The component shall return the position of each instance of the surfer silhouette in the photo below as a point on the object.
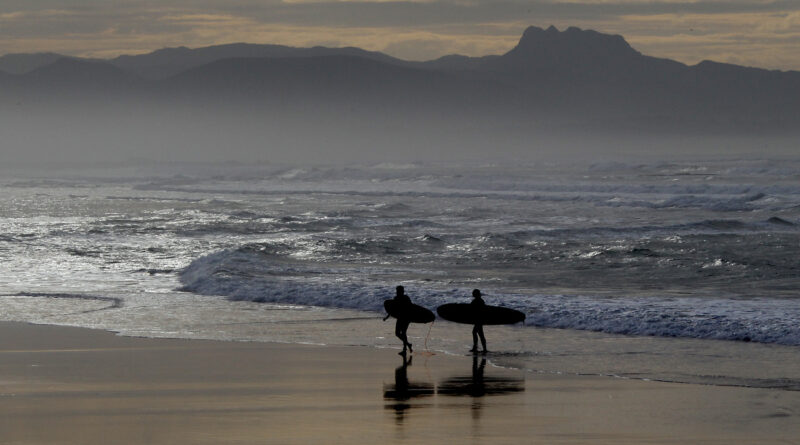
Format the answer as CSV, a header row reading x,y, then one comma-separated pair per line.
x,y
403,301
477,331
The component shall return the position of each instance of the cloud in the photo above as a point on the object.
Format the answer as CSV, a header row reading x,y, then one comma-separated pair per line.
x,y
11,16
754,39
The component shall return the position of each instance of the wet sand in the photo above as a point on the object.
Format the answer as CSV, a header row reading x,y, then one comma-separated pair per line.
x,y
76,386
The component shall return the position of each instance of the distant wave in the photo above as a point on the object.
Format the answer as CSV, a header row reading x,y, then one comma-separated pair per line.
x,y
722,203
245,274
704,226
440,243
252,223
640,190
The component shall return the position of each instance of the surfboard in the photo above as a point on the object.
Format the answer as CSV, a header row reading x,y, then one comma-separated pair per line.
x,y
469,314
414,312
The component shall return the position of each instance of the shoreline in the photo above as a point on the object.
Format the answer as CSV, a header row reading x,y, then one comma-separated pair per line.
x,y
543,350
81,386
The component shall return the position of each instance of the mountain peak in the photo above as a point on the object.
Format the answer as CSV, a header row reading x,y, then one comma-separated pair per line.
x,y
572,42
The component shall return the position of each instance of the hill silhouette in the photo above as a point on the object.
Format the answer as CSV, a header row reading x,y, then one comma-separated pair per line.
x,y
23,63
78,72
168,62
553,86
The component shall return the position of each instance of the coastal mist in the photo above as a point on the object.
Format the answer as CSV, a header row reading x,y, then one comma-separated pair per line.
x,y
399,222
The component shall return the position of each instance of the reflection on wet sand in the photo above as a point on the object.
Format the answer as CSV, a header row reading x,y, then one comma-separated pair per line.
x,y
403,390
479,385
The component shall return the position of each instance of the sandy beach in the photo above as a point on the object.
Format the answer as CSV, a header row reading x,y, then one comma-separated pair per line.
x,y
63,385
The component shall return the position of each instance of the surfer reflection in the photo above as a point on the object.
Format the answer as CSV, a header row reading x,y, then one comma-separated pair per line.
x,y
477,331
478,385
400,391
403,390
401,327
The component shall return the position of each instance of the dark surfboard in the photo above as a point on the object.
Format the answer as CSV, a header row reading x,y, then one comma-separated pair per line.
x,y
471,314
414,313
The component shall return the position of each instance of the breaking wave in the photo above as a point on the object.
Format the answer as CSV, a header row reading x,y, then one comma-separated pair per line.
x,y
247,274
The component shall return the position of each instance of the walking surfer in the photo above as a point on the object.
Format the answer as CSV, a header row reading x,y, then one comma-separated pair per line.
x,y
402,301
478,305
478,313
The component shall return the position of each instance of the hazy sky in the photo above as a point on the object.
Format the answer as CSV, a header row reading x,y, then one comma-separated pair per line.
x,y
763,33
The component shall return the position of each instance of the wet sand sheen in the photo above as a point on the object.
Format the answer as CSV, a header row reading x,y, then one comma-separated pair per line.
x,y
77,386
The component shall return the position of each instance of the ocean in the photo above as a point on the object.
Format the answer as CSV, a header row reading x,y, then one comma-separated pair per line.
x,y
672,271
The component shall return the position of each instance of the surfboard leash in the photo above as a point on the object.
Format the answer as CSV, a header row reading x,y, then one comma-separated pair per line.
x,y
427,337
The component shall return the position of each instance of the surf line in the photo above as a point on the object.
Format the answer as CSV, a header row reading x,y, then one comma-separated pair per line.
x,y
115,303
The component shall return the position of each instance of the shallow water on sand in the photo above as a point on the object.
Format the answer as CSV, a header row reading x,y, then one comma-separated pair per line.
x,y
540,350
682,272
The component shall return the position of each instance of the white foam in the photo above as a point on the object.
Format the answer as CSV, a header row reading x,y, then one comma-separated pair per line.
x,y
241,275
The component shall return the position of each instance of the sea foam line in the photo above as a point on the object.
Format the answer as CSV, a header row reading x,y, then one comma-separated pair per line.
x,y
246,275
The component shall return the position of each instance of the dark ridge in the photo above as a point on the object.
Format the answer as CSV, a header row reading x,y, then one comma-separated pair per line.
x,y
67,70
552,84
344,82
168,62
24,63
351,71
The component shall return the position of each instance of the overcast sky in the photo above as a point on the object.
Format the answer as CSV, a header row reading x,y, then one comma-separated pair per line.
x,y
764,33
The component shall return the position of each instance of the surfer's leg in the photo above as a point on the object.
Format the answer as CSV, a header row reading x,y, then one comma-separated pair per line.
x,y
474,339
479,328
406,344
400,331
405,336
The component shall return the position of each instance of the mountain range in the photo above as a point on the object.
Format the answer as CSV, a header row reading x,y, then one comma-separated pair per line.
x,y
552,82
